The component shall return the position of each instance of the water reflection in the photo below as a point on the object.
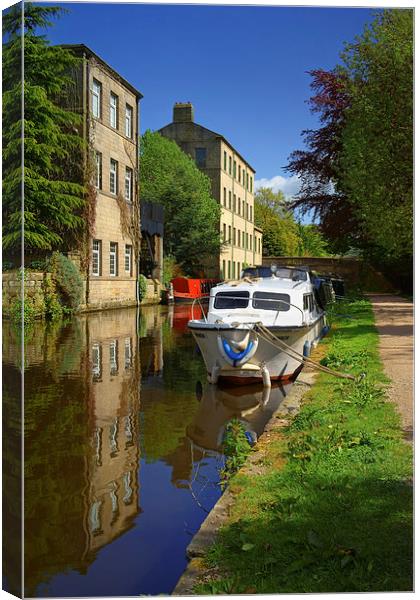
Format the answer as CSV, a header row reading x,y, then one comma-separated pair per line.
x,y
122,449
252,405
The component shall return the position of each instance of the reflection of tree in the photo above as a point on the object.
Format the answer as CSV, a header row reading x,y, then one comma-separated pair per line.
x,y
56,446
169,409
12,468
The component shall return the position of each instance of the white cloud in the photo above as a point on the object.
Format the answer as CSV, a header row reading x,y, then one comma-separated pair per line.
x,y
288,185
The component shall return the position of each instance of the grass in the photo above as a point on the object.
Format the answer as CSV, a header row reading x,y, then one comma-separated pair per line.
x,y
337,516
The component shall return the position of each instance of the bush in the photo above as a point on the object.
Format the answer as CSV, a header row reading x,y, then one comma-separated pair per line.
x,y
68,280
142,281
16,310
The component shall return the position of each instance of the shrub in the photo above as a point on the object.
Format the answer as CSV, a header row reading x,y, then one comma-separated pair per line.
x,y
16,310
68,280
142,286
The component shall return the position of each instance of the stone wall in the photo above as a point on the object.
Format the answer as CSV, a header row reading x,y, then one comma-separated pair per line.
x,y
34,291
353,270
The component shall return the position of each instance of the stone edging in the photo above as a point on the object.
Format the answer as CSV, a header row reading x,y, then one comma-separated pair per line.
x,y
207,533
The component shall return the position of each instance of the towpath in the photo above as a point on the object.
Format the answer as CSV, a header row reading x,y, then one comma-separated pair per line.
x,y
394,322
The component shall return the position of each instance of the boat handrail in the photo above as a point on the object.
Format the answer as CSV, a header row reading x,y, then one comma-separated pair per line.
x,y
242,298
201,306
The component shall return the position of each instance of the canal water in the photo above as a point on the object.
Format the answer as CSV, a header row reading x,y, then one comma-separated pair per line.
x,y
122,455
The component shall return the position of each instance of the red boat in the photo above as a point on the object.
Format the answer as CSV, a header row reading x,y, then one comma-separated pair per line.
x,y
187,290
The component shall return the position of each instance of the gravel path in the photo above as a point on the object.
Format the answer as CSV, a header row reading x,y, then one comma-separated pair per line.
x,y
394,322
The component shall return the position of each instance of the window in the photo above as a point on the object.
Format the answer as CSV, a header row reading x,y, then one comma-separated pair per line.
x,y
98,170
113,259
230,233
234,202
128,121
239,206
96,362
224,269
246,209
234,236
250,213
230,200
224,231
113,357
308,302
224,160
228,269
113,176
250,184
234,168
224,196
247,181
243,239
271,301
96,258
128,184
226,300
127,352
243,177
128,258
239,173
113,110
201,157
230,165
96,99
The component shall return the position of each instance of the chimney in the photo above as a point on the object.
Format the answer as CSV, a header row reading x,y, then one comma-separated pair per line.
x,y
183,112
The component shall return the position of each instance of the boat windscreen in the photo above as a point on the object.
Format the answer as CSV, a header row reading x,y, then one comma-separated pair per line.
x,y
271,301
294,274
226,300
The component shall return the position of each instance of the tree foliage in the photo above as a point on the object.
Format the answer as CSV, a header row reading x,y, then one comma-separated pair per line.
x,y
170,177
53,148
377,156
282,235
357,169
279,229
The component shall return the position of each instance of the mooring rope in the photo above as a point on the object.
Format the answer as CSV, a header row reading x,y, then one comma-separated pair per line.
x,y
269,337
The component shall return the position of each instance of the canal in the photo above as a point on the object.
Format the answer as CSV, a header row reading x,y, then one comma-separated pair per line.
x,y
122,455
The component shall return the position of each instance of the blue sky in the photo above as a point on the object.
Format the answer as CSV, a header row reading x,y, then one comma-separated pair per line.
x,y
243,68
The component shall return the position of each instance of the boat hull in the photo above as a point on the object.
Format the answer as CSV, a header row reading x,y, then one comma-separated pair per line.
x,y
263,359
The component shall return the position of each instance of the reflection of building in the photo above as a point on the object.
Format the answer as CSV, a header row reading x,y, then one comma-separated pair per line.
x,y
112,471
232,181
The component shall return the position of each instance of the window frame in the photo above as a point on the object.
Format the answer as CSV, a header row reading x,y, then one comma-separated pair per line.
x,y
128,253
112,162
96,93
113,110
128,177
264,297
129,111
98,253
238,295
113,252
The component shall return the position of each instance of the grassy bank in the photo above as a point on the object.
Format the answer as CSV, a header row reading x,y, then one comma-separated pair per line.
x,y
332,511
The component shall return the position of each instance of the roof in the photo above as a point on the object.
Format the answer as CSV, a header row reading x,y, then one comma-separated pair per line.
x,y
83,49
216,135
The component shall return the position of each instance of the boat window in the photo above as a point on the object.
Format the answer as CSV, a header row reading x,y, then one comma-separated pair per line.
x,y
309,302
270,301
294,274
231,300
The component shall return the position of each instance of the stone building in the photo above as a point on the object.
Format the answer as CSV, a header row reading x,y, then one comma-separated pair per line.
x,y
110,107
232,180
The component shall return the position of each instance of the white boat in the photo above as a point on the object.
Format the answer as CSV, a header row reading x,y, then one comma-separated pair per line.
x,y
249,322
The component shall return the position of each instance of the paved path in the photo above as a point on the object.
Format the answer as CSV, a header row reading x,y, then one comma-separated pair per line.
x,y
394,322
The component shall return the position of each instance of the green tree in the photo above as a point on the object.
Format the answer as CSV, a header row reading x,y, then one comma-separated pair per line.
x,y
377,155
280,235
311,241
53,148
170,177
